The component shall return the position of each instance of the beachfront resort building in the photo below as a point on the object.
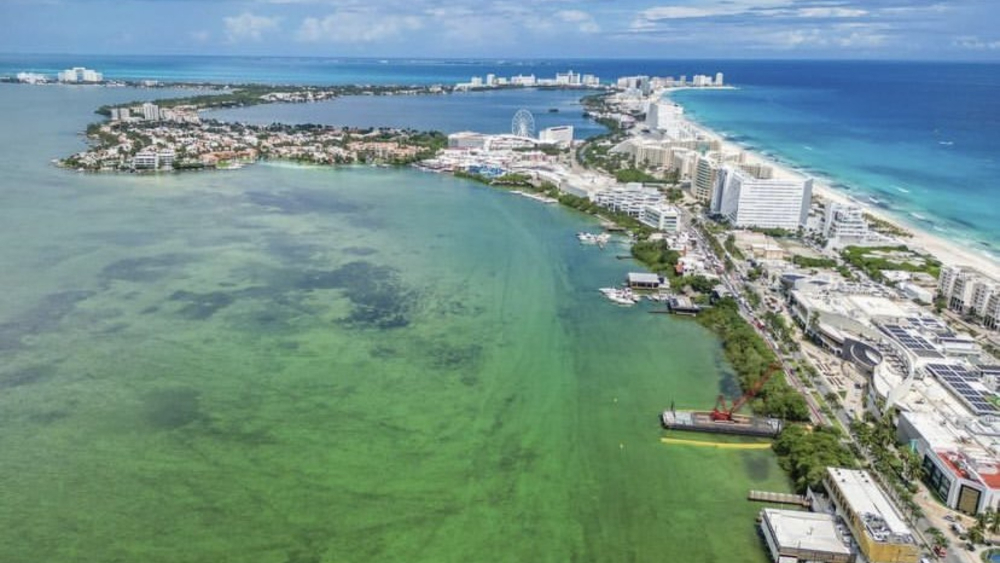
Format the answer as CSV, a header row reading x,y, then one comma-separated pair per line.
x,y
706,176
80,74
32,78
881,534
747,201
845,225
665,116
968,291
793,536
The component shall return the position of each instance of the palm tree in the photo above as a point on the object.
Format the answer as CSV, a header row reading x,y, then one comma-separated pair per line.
x,y
977,532
994,521
913,469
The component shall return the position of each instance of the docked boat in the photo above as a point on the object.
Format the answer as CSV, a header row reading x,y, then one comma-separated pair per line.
x,y
621,296
600,239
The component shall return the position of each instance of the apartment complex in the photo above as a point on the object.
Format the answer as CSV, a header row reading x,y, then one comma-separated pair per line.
x,y
970,292
629,198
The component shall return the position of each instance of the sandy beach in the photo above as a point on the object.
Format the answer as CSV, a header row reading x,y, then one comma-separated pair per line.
x,y
947,251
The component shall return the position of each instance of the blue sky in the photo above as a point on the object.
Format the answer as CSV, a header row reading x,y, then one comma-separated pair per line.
x,y
907,29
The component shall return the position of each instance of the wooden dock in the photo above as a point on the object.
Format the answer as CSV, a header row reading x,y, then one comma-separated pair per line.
x,y
778,498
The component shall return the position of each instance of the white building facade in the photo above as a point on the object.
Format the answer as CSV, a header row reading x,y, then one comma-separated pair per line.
x,y
772,204
665,116
80,74
661,217
561,135
969,291
629,199
845,225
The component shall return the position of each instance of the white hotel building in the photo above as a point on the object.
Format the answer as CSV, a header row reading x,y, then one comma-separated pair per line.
x,y
665,116
80,74
969,291
661,217
561,135
747,201
629,199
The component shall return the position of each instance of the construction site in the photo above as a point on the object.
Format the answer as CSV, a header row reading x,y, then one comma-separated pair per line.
x,y
724,418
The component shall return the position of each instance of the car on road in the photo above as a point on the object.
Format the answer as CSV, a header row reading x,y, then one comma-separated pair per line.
x,y
950,518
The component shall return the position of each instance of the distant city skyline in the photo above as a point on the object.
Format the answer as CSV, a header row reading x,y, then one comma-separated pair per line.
x,y
849,29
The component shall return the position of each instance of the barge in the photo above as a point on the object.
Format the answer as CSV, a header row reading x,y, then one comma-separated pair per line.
x,y
739,425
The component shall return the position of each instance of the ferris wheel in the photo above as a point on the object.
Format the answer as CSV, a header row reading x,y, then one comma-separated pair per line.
x,y
523,124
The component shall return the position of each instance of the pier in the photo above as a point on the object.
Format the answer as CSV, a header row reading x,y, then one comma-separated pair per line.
x,y
778,498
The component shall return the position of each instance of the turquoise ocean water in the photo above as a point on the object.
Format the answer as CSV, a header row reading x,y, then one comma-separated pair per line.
x,y
920,141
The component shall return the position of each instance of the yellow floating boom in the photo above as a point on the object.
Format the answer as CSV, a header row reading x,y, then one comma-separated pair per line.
x,y
731,446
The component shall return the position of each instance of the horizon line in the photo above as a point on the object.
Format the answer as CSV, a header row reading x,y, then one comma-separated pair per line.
x,y
507,59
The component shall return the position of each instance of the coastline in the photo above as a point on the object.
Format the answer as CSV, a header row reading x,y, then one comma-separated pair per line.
x,y
949,252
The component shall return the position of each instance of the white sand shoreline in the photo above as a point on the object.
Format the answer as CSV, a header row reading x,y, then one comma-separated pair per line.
x,y
949,252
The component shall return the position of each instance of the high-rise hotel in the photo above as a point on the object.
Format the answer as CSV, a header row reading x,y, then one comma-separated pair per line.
x,y
773,203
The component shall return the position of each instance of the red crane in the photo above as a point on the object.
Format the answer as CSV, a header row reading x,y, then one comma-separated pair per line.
x,y
724,413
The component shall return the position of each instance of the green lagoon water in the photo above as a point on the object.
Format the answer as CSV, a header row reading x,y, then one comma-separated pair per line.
x,y
284,364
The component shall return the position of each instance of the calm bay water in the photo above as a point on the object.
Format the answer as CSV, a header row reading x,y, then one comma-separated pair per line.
x,y
307,364
484,112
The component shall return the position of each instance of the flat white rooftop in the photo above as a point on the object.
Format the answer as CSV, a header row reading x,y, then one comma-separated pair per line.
x,y
864,497
643,278
813,531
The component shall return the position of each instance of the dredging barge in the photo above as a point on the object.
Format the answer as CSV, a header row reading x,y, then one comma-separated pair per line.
x,y
739,425
723,418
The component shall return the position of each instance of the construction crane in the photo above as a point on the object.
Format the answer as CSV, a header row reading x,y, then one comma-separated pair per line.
x,y
724,412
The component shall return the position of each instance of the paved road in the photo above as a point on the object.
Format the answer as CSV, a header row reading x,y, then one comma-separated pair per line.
x,y
735,287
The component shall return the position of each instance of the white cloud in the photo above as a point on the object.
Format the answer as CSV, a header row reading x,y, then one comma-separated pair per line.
x,y
830,12
975,43
690,12
247,26
585,22
648,18
845,36
356,27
